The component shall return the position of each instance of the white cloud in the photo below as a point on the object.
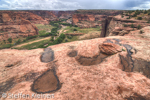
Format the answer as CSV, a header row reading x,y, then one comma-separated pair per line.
x,y
39,4
146,6
73,4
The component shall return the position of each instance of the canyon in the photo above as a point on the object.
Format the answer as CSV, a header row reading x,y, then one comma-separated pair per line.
x,y
114,66
15,24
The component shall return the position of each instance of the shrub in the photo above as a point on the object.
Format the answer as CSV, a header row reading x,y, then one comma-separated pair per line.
x,y
132,26
75,26
137,12
52,38
41,46
149,13
31,37
128,17
10,40
123,49
125,25
6,46
62,36
129,12
54,30
66,24
44,35
4,41
24,40
145,12
18,41
139,27
139,18
122,16
135,15
42,32
141,31
69,37
74,29
66,40
59,39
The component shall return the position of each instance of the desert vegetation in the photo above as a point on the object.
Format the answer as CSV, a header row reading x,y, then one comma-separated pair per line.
x,y
137,14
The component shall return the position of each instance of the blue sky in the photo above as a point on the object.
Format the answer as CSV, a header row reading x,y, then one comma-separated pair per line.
x,y
73,4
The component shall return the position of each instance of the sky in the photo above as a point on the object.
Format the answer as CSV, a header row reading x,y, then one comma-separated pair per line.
x,y
73,4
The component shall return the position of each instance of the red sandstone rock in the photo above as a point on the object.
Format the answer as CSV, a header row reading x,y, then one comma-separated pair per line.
x,y
87,20
46,15
17,24
109,48
102,81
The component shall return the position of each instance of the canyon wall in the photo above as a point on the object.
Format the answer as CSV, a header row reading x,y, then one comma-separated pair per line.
x,y
92,18
65,14
46,15
14,25
112,26
87,20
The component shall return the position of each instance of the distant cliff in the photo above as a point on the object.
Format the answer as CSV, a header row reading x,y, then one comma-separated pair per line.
x,y
87,20
17,24
46,15
112,26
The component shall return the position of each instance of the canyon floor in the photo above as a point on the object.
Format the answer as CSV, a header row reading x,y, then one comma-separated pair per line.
x,y
110,68
32,42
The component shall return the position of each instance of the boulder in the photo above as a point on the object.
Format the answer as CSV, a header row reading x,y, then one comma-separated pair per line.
x,y
110,48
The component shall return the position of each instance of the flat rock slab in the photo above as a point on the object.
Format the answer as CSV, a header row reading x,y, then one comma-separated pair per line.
x,y
47,55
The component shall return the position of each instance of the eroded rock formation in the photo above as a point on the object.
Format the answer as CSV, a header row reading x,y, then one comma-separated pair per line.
x,y
46,15
112,26
87,20
13,25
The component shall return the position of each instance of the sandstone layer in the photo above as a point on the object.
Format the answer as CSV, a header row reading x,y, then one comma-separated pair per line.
x,y
87,20
17,24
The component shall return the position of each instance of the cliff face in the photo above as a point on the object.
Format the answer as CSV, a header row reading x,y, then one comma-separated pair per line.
x,y
33,18
64,14
13,25
87,20
46,15
119,26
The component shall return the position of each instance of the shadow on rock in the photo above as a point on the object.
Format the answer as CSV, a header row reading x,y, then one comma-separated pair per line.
x,y
6,86
72,53
87,61
142,66
137,97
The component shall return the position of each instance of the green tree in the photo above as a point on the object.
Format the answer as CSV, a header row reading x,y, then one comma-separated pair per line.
x,y
18,41
132,26
139,27
74,29
52,38
10,40
139,18
145,12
